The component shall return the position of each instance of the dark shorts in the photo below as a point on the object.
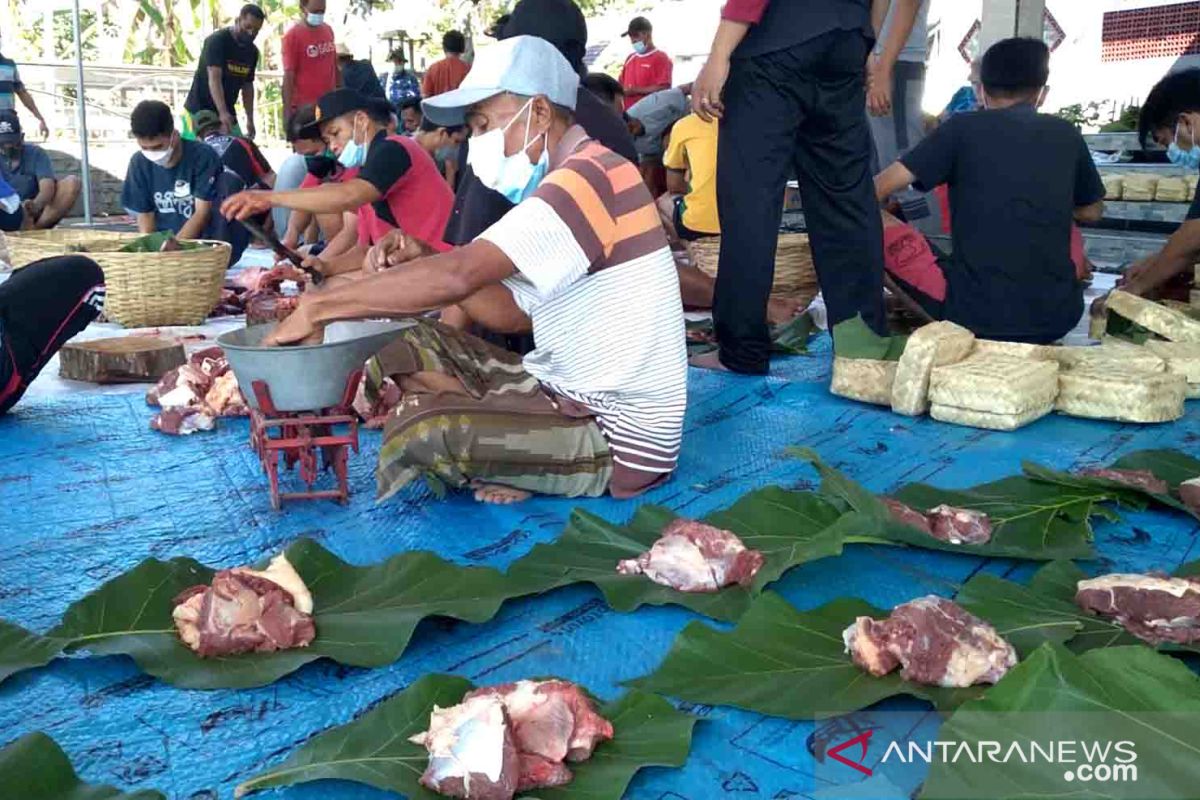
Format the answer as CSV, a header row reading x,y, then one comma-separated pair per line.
x,y
41,307
11,222
685,233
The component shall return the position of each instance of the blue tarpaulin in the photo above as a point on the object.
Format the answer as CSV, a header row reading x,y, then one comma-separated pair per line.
x,y
87,491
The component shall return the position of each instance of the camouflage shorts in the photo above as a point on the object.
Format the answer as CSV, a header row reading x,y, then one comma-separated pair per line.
x,y
504,430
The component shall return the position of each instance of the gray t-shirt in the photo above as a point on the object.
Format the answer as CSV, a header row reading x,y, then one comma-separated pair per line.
x,y
657,112
34,166
916,49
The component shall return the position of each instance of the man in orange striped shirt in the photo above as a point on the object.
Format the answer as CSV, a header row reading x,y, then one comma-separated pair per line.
x,y
582,260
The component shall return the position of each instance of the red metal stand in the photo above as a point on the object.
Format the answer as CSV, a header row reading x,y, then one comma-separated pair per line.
x,y
297,436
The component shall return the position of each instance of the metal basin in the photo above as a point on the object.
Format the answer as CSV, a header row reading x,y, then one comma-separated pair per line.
x,y
306,377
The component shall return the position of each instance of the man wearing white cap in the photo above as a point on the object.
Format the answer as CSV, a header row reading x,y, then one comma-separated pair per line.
x,y
582,260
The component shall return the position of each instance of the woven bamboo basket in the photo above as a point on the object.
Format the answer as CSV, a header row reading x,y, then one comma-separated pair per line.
x,y
795,276
29,246
179,287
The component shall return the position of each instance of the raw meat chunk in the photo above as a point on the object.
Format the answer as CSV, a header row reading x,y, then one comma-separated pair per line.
x,y
693,557
471,751
1135,478
1189,493
1153,607
182,421
960,525
246,611
224,399
935,641
182,386
543,724
908,516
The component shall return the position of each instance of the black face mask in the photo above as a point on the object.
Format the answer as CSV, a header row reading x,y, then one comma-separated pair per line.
x,y
322,166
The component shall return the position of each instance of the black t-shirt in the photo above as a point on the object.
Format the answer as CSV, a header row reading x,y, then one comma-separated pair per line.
x,y
787,23
1194,208
242,157
386,164
477,208
237,62
1015,178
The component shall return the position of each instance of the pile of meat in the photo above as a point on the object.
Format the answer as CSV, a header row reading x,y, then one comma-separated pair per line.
x,y
193,396
259,294
246,611
511,738
944,523
1142,479
934,641
1153,607
693,557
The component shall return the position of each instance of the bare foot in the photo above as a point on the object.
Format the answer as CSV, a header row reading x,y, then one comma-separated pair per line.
x,y
498,495
710,360
781,312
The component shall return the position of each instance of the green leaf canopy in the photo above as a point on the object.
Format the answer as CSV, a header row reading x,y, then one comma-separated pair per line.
x,y
1129,694
365,616
34,767
784,663
1030,519
789,528
374,749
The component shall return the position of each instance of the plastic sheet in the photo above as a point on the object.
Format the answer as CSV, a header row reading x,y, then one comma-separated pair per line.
x,y
87,491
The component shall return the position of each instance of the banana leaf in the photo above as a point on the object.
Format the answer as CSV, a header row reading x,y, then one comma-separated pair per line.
x,y
365,616
1031,519
789,528
784,662
34,767
374,749
21,650
1130,496
1122,694
853,338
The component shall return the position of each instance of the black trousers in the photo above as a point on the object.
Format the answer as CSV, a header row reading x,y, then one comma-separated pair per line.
x,y
41,307
802,108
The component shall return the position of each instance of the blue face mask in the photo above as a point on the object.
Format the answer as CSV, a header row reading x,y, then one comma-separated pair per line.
x,y
315,19
353,155
1189,157
639,48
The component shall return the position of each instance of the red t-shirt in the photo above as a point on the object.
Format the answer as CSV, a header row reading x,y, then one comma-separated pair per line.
x,y
444,76
653,69
416,198
309,54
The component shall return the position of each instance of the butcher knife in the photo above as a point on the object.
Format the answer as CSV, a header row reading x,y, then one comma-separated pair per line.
x,y
281,250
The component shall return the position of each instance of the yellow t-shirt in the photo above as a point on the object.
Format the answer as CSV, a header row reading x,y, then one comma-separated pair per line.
x,y
694,148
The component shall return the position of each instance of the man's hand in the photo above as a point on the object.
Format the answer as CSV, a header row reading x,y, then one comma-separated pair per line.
x,y
251,131
1135,273
244,205
43,129
707,89
394,249
879,87
298,328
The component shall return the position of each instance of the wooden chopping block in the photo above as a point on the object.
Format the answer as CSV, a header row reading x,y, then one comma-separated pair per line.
x,y
125,359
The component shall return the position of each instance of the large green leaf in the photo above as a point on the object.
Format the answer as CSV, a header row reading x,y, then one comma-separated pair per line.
x,y
1030,519
365,616
1124,494
21,650
1172,466
1128,694
34,767
789,528
374,749
853,338
785,663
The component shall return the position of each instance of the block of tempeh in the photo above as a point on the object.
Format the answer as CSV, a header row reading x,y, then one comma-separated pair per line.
x,y
1182,358
988,420
1034,352
1168,323
1120,393
995,384
1111,351
1171,190
1114,185
864,379
1194,298
934,345
1139,188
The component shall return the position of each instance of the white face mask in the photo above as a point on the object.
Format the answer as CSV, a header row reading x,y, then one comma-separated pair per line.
x,y
159,157
513,176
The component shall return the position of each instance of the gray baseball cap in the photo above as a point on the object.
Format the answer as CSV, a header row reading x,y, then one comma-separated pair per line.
x,y
524,65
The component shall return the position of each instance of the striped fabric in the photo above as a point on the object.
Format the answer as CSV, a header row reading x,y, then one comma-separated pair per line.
x,y
10,83
596,276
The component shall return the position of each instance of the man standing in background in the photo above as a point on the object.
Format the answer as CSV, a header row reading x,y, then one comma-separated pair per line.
x,y
895,89
648,69
226,70
400,84
11,87
445,75
309,59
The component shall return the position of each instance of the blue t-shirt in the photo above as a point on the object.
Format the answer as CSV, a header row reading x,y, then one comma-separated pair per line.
x,y
171,193
33,165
